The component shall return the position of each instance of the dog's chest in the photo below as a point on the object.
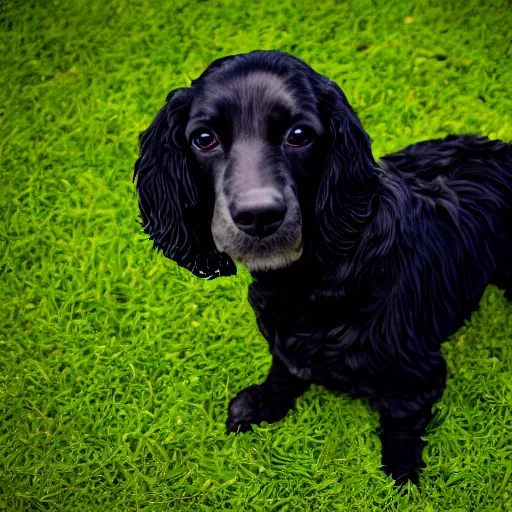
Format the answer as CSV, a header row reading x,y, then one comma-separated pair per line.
x,y
317,337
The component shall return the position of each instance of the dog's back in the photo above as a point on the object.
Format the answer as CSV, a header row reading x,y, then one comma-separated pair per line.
x,y
462,184
474,167
446,157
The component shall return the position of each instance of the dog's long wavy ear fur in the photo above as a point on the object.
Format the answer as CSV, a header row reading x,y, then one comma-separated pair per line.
x,y
350,179
176,212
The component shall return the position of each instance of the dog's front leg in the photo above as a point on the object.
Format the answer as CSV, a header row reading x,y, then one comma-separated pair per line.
x,y
405,413
269,401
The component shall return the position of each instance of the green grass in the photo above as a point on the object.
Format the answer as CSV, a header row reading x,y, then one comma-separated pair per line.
x,y
116,367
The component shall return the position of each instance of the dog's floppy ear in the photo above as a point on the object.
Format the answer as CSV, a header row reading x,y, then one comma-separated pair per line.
x,y
350,177
175,204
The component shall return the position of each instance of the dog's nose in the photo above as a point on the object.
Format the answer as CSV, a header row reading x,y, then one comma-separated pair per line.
x,y
259,212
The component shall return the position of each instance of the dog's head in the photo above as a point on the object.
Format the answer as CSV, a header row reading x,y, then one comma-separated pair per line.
x,y
249,163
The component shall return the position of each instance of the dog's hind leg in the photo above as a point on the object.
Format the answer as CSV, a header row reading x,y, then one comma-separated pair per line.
x,y
507,267
503,279
507,285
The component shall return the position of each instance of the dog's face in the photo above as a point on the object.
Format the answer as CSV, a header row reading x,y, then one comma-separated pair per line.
x,y
255,140
237,165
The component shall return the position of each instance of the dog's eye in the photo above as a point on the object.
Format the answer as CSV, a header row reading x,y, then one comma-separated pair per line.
x,y
299,136
204,141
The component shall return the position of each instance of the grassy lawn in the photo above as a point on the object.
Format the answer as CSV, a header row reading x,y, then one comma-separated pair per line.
x,y
116,367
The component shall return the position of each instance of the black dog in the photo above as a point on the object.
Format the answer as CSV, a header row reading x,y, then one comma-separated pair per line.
x,y
361,270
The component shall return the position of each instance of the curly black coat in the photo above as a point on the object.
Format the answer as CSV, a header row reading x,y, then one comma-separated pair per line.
x,y
361,270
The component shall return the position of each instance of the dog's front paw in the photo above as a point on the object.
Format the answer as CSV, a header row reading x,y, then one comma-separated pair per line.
x,y
246,409
401,457
252,406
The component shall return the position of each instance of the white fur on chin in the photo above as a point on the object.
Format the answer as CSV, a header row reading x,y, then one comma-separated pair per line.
x,y
256,258
272,261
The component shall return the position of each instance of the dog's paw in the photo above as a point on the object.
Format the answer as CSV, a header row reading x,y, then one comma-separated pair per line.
x,y
246,409
401,476
401,458
252,406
